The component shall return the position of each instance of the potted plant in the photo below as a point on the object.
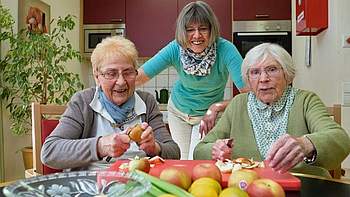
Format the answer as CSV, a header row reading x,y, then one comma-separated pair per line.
x,y
33,69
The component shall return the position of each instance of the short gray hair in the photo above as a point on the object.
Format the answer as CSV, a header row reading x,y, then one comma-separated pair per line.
x,y
196,12
259,54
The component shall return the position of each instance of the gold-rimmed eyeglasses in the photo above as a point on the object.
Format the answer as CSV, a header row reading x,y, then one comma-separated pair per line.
x,y
202,30
114,74
270,71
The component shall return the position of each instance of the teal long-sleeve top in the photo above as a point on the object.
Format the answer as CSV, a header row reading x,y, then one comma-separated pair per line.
x,y
308,116
194,94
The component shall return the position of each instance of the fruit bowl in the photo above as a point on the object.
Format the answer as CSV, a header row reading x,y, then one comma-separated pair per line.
x,y
81,183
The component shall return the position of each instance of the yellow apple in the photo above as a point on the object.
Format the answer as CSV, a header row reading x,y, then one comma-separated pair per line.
x,y
176,176
265,188
242,178
206,170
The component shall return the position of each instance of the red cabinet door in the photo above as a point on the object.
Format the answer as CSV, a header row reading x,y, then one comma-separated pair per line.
x,y
104,11
261,10
222,10
150,24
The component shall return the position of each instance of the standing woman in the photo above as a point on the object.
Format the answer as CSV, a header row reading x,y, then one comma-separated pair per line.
x,y
203,61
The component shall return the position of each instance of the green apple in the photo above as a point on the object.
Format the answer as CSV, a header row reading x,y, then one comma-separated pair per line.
x,y
140,164
242,178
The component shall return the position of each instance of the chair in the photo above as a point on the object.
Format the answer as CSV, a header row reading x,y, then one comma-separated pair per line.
x,y
335,111
43,123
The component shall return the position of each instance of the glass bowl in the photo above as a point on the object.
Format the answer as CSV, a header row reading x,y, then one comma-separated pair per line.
x,y
81,183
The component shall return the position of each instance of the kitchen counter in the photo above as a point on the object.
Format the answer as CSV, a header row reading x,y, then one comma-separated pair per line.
x,y
163,107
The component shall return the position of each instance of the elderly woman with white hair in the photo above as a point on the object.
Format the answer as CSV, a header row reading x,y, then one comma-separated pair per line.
x,y
288,127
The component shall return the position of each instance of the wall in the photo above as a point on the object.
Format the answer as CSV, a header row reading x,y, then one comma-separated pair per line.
x,y
14,168
330,62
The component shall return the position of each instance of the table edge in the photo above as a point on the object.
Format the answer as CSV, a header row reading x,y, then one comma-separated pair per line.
x,y
320,177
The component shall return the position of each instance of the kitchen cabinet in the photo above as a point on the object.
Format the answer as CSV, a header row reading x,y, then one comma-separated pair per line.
x,y
261,10
150,24
104,11
222,10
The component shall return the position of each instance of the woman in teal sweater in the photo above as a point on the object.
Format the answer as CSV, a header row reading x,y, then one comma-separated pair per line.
x,y
288,127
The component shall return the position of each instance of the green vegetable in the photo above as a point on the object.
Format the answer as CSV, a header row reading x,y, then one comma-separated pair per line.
x,y
160,185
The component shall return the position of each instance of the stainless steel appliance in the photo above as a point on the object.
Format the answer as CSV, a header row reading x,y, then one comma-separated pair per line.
x,y
94,33
247,34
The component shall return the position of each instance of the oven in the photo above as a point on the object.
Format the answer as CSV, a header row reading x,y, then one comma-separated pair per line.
x,y
247,34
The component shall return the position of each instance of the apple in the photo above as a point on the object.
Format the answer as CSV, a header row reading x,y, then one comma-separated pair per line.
x,y
176,176
206,170
265,188
140,164
242,178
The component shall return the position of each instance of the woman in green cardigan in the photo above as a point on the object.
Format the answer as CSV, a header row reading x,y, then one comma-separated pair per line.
x,y
288,127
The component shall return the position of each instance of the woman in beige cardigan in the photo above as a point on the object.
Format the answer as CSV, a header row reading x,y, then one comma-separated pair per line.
x,y
276,122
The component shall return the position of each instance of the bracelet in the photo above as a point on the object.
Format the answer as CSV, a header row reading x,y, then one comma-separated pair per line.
x,y
312,159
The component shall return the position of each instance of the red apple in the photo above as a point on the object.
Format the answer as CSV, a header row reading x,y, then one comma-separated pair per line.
x,y
265,188
140,164
206,170
242,178
176,176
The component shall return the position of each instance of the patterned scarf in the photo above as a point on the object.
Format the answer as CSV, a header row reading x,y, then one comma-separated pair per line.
x,y
270,122
198,64
118,113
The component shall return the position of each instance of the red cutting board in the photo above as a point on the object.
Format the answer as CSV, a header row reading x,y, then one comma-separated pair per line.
x,y
286,180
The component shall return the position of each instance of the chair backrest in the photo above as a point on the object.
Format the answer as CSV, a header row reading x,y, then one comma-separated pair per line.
x,y
335,111
41,128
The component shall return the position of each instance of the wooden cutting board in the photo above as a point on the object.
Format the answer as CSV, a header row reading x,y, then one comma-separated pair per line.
x,y
286,180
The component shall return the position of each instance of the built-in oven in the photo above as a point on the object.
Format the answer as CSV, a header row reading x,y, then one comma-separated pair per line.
x,y
94,33
247,34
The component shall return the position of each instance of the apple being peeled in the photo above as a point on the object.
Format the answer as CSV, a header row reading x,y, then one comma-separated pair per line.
x,y
140,164
242,178
177,177
265,188
206,170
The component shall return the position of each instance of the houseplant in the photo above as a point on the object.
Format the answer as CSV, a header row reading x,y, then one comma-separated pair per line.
x,y
33,69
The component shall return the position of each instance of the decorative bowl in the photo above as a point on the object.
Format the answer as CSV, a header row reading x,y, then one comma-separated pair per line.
x,y
81,183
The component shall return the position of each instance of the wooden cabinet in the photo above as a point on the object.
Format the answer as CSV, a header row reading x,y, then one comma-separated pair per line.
x,y
150,24
104,11
261,10
222,10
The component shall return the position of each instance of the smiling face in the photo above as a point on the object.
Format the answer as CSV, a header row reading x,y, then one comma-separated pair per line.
x,y
197,37
117,80
267,80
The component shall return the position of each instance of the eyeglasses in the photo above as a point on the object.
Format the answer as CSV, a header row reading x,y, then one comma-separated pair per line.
x,y
114,74
202,30
270,71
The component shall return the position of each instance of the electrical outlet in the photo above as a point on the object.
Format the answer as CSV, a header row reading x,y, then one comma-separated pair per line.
x,y
346,41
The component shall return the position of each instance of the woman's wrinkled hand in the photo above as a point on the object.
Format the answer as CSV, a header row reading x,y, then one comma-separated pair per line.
x,y
222,149
288,151
208,120
113,145
148,142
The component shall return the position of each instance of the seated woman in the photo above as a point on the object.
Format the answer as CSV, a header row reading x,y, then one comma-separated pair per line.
x,y
288,127
95,124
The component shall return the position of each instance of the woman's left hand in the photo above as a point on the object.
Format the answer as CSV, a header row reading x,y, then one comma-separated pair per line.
x,y
148,142
208,120
288,151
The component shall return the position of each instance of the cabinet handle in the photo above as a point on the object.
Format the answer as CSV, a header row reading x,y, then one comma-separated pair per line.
x,y
116,20
262,16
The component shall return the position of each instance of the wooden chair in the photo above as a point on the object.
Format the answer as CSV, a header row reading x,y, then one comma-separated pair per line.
x,y
335,111
42,125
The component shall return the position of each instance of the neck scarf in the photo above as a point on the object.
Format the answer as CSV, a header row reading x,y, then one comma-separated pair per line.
x,y
198,64
270,122
118,113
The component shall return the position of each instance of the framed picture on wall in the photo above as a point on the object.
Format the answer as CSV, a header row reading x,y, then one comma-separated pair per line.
x,y
34,15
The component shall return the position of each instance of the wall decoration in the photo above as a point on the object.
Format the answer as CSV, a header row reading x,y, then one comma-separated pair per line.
x,y
34,15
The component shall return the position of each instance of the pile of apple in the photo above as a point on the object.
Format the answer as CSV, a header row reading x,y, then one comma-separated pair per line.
x,y
206,181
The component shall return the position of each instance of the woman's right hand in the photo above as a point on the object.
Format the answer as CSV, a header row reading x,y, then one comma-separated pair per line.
x,y
113,145
222,149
